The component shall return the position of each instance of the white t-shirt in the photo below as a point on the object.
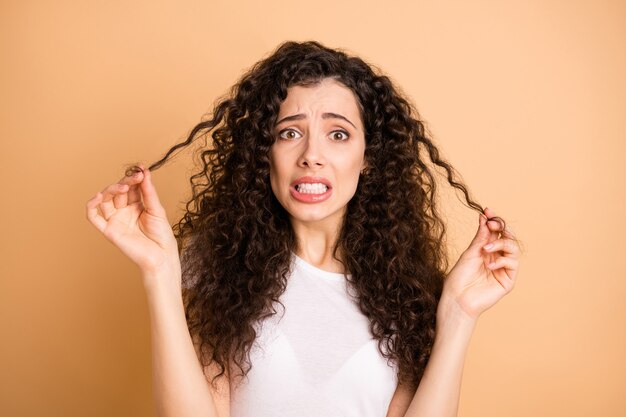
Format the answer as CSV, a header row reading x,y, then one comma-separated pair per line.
x,y
316,357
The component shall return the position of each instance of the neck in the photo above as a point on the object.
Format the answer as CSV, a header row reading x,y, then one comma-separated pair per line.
x,y
316,240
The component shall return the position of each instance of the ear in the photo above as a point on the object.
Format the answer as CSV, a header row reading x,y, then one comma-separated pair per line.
x,y
364,166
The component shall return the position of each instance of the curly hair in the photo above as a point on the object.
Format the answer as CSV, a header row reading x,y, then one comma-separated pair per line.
x,y
235,239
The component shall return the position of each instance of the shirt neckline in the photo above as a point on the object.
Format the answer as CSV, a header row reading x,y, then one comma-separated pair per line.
x,y
335,276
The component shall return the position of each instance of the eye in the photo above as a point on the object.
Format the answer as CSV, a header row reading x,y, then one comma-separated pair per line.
x,y
289,131
343,132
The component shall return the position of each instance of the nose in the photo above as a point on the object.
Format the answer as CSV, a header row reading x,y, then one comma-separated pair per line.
x,y
312,152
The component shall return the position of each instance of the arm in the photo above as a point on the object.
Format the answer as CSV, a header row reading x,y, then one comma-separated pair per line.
x,y
439,390
130,215
179,385
481,277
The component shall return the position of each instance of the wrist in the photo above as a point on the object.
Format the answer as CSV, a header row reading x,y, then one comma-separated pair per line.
x,y
451,315
162,282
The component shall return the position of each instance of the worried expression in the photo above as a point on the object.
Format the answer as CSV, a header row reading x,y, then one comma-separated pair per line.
x,y
318,151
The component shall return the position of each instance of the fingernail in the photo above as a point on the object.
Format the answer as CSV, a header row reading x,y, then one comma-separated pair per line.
x,y
489,246
491,265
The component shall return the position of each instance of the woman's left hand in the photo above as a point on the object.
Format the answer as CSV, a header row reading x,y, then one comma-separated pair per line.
x,y
474,285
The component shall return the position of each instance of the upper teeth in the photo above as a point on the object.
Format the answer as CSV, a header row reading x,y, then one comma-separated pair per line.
x,y
311,188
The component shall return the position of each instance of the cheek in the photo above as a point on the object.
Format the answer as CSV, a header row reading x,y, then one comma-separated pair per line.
x,y
354,164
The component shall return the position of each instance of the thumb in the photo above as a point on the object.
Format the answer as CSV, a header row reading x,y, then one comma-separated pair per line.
x,y
483,233
150,197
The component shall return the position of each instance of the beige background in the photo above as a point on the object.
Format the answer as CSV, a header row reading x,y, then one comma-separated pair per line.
x,y
526,99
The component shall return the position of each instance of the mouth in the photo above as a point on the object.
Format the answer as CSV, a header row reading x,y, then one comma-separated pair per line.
x,y
310,193
311,188
310,183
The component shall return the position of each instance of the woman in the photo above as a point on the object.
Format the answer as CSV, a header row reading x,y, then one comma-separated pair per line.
x,y
312,231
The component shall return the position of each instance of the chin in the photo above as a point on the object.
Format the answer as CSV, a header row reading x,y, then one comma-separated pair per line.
x,y
311,216
307,217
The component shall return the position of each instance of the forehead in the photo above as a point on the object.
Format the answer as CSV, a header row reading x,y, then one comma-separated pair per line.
x,y
327,96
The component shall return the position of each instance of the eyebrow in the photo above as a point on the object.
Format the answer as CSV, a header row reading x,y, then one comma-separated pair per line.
x,y
324,116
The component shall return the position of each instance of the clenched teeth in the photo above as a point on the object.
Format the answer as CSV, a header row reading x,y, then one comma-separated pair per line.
x,y
316,188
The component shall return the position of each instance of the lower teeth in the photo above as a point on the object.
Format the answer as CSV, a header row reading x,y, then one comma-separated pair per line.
x,y
311,192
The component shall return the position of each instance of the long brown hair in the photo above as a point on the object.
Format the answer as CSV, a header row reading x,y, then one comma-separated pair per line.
x,y
235,239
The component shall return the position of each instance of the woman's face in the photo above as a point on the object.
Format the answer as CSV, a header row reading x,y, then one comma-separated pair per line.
x,y
319,134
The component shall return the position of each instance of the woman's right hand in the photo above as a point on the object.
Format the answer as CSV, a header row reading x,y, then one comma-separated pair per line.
x,y
139,228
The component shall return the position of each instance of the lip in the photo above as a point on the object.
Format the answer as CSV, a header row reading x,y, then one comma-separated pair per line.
x,y
312,180
309,198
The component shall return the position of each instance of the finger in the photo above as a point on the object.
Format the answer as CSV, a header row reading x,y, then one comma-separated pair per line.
x,y
496,226
130,179
120,200
132,194
504,245
501,276
508,263
493,225
106,205
489,212
92,212
482,234
149,194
